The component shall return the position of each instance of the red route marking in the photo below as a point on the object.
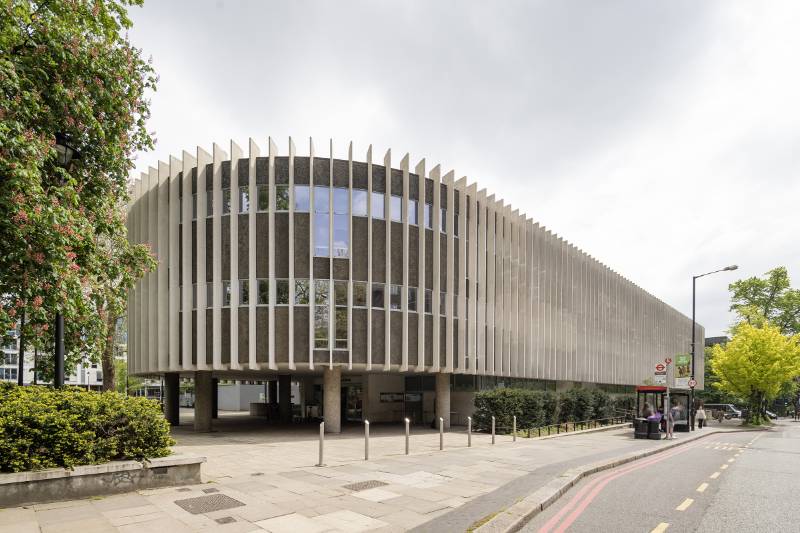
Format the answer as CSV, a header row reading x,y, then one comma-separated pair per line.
x,y
602,481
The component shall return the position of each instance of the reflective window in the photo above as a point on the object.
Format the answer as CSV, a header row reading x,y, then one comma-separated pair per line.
x,y
377,295
412,298
226,201
322,246
394,297
263,197
282,291
321,314
244,200
341,235
302,293
194,206
226,293
428,301
340,293
377,205
194,295
321,199
428,216
301,198
281,198
455,224
263,292
209,204
359,294
359,203
209,295
340,201
340,337
412,211
442,304
244,292
443,220
397,208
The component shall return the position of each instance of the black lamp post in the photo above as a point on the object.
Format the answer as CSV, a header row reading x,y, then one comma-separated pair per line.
x,y
694,292
66,155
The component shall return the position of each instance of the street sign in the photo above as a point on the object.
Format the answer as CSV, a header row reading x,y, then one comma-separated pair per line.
x,y
660,368
660,379
668,360
692,383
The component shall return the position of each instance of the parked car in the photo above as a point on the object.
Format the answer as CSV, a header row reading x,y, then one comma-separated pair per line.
x,y
728,410
772,415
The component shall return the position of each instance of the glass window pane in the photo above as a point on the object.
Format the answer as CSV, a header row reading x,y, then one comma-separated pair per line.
x,y
429,216
395,301
359,294
244,292
377,205
340,293
282,291
359,203
321,199
281,198
320,326
377,295
442,304
263,292
301,292
209,294
209,204
226,293
412,298
443,220
263,197
340,201
397,208
194,206
341,328
321,289
226,201
194,295
301,198
428,301
412,211
321,236
341,236
244,200
455,224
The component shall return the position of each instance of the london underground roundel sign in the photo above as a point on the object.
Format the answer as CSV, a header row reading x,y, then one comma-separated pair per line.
x,y
660,367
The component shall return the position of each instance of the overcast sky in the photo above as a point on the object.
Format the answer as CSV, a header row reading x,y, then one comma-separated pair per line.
x,y
660,137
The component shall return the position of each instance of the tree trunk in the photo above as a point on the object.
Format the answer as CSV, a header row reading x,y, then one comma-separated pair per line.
x,y
108,354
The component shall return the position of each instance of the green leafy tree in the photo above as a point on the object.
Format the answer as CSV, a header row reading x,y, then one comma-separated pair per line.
x,y
67,72
756,365
770,298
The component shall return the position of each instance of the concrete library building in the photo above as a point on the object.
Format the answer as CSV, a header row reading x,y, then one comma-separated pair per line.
x,y
370,289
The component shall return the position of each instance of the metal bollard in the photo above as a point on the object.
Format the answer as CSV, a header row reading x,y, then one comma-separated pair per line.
x,y
366,440
441,433
469,432
514,438
321,442
407,432
492,430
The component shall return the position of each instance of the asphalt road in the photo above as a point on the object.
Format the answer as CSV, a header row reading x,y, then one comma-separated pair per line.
x,y
733,482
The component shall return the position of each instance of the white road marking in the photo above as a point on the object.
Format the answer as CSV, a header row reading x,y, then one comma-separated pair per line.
x,y
731,460
660,528
723,467
684,504
715,475
702,487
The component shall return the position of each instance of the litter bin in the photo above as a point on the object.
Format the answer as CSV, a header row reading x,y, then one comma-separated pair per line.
x,y
653,430
640,428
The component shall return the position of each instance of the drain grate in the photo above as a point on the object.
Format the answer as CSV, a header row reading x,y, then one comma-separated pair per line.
x,y
225,520
208,504
210,491
364,485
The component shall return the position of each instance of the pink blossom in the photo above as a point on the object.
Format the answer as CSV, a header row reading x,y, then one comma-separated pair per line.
x,y
37,302
74,267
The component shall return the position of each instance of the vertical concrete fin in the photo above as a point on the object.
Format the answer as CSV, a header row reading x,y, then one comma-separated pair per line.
x,y
190,286
175,287
233,226
219,156
252,280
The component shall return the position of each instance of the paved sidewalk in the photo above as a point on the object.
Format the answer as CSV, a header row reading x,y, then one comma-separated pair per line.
x,y
260,478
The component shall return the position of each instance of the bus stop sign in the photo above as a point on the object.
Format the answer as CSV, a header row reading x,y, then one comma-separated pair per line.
x,y
692,383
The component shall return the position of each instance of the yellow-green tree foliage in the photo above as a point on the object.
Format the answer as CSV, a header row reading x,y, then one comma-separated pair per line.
x,y
756,363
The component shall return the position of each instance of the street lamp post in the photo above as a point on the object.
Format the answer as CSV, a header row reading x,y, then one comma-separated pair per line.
x,y
66,154
694,293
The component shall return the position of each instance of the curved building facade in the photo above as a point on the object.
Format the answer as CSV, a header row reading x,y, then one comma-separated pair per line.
x,y
278,265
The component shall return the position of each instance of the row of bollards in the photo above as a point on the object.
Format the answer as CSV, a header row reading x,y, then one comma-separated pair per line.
x,y
321,461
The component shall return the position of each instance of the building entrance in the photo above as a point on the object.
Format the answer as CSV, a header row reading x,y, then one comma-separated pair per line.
x,y
352,402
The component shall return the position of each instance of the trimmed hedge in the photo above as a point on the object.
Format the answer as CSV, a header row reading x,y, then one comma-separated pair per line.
x,y
41,427
535,408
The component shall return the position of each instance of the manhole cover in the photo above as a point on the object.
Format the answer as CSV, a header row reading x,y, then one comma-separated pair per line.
x,y
364,485
208,504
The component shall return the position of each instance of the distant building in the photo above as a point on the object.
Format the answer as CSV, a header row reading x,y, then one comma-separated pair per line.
x,y
711,341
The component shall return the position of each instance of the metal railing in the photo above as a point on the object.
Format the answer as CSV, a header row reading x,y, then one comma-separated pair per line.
x,y
567,427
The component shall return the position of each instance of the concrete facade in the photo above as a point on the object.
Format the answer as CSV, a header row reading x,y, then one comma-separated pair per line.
x,y
285,264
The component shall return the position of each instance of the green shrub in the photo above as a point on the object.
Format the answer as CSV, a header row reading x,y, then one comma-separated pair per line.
x,y
41,427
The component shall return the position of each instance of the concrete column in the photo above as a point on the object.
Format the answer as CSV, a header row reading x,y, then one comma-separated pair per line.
x,y
285,392
202,401
214,397
443,398
332,399
171,398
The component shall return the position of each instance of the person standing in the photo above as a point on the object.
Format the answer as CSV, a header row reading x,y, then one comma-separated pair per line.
x,y
672,415
700,415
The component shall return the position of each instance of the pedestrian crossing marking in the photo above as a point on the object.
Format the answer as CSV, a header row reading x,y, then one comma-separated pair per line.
x,y
660,528
715,475
684,504
702,487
